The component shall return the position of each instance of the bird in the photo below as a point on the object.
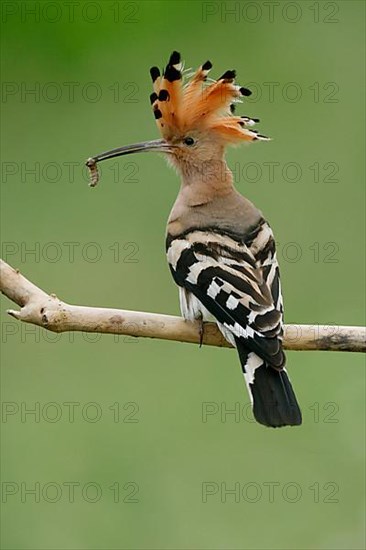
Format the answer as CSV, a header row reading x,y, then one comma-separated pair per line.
x,y
220,249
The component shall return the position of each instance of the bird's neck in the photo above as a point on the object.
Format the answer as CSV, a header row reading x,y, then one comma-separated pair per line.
x,y
209,199
203,184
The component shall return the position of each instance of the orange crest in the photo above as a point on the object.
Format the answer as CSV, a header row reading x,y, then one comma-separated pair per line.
x,y
182,105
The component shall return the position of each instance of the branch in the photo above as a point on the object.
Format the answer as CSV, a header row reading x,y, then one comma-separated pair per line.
x,y
47,311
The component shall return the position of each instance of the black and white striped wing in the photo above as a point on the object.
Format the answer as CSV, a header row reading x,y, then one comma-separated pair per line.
x,y
237,281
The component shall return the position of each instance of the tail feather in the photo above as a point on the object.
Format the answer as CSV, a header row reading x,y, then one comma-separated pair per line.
x,y
274,400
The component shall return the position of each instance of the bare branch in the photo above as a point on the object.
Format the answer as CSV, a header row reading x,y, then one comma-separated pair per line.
x,y
47,311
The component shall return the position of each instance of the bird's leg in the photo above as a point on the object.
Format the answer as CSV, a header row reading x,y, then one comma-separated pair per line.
x,y
201,329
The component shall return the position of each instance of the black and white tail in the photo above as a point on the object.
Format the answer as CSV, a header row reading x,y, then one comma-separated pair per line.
x,y
270,390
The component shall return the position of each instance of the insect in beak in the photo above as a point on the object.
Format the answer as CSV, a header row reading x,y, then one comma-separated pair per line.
x,y
157,145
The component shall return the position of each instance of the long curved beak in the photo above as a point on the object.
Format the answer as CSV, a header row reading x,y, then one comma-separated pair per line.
x,y
157,145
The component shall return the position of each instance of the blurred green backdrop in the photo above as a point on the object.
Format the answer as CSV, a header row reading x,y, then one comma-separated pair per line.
x,y
139,421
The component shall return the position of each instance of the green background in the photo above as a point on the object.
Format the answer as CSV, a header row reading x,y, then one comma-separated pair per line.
x,y
169,453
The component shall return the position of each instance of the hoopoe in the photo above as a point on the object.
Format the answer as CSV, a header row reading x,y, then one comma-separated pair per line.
x,y
220,249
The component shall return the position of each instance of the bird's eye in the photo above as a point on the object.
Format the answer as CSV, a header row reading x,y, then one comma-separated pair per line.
x,y
188,141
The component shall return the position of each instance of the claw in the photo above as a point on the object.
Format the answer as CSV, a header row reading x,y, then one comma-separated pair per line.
x,y
14,313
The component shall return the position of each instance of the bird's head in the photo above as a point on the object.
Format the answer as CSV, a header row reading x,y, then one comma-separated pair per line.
x,y
195,116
